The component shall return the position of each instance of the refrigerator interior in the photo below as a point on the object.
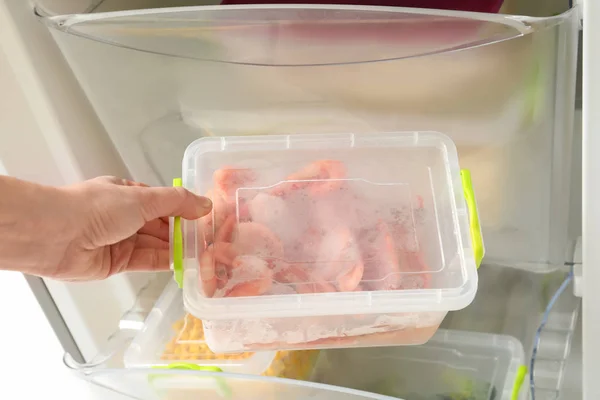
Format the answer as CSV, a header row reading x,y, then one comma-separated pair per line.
x,y
506,105
499,86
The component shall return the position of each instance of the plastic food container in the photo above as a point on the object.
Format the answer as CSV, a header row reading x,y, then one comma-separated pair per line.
x,y
320,241
452,365
171,338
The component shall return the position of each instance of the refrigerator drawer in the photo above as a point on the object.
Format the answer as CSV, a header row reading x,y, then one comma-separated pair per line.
x,y
483,351
140,363
501,86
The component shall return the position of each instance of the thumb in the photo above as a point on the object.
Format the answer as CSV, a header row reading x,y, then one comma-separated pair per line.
x,y
159,202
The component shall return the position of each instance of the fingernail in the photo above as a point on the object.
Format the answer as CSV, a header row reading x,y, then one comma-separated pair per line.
x,y
205,203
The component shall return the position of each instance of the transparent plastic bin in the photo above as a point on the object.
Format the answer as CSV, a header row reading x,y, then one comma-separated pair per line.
x,y
326,241
172,338
452,365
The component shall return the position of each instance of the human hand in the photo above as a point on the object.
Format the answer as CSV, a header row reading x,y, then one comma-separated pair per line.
x,y
90,230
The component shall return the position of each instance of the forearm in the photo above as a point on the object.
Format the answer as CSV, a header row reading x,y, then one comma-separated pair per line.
x,y
32,227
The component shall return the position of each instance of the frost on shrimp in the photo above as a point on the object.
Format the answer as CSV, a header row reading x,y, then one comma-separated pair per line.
x,y
214,220
228,180
382,267
287,219
389,265
317,178
251,276
252,238
340,260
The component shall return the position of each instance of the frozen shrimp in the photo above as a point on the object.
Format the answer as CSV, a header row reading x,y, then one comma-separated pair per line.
x,y
349,280
224,252
251,276
214,271
298,276
247,238
319,177
287,218
215,219
315,287
342,261
323,262
382,267
225,232
208,276
419,277
252,238
229,180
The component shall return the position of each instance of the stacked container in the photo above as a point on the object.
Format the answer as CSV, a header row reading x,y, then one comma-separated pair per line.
x,y
173,339
452,365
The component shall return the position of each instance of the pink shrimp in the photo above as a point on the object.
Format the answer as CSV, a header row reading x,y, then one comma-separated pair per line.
x,y
290,273
340,260
214,220
382,267
226,230
224,252
349,280
257,240
315,287
297,276
222,271
250,238
251,277
318,178
419,277
229,180
287,218
208,276
306,248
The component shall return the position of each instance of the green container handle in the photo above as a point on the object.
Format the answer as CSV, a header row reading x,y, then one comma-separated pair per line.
x,y
474,225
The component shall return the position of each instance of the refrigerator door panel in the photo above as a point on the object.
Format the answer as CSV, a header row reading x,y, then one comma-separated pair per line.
x,y
591,200
51,135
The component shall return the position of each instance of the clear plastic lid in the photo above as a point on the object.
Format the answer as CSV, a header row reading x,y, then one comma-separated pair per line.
x,y
327,225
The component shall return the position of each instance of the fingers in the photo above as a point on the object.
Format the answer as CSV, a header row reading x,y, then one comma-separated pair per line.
x,y
159,228
159,202
118,181
148,259
149,254
151,242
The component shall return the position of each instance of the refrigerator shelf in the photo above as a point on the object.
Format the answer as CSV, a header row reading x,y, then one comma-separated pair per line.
x,y
502,307
511,302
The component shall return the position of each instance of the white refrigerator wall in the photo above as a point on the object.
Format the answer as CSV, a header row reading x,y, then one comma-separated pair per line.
x,y
591,199
49,134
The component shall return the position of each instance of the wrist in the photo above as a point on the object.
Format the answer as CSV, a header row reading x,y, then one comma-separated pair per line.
x,y
34,227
